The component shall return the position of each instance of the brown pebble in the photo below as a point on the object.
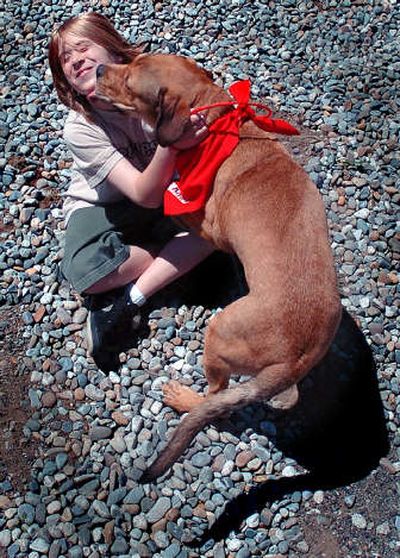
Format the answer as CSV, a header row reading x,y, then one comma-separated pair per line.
x,y
109,532
66,516
49,399
172,514
133,509
102,494
40,312
218,463
31,271
199,511
50,366
120,418
5,503
159,526
260,478
79,394
243,458
388,278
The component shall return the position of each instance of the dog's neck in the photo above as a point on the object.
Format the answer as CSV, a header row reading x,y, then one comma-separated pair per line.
x,y
212,94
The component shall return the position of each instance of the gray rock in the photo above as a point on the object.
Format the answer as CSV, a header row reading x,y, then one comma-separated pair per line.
x,y
26,513
101,508
358,521
94,393
100,433
158,510
40,545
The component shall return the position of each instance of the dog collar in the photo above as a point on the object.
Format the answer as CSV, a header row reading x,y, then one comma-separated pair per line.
x,y
198,166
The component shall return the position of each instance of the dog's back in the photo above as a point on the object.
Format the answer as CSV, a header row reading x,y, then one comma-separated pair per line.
x,y
265,208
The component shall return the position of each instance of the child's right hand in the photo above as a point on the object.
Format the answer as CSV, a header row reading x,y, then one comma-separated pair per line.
x,y
195,133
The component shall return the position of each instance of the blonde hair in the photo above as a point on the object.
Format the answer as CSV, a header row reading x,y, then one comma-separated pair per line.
x,y
98,29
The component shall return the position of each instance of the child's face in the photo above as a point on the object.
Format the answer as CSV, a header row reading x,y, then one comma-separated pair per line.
x,y
79,59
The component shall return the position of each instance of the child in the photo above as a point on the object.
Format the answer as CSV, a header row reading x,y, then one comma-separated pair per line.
x,y
118,181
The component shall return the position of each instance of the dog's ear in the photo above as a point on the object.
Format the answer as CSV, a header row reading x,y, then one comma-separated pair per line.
x,y
173,115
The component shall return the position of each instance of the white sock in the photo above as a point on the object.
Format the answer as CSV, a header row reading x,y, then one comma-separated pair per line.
x,y
137,296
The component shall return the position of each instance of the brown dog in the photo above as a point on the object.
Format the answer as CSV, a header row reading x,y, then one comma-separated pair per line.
x,y
264,208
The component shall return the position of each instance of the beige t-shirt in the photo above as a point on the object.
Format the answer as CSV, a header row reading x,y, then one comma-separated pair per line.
x,y
96,148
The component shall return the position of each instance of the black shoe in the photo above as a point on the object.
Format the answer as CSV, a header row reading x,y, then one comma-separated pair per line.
x,y
110,326
106,360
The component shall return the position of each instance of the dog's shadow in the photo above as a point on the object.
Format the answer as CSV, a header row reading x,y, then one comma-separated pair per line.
x,y
336,431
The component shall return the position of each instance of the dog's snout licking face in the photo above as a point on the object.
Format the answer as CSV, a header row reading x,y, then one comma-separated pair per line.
x,y
144,89
114,85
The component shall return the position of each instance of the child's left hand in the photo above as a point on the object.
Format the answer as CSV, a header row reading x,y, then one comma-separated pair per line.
x,y
194,134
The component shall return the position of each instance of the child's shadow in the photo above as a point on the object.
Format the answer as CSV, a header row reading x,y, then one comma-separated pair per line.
x,y
336,431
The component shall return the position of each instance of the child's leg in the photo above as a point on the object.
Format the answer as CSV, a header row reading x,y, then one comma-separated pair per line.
x,y
138,261
181,254
109,322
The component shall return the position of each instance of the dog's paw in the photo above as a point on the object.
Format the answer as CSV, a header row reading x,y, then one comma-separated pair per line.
x,y
181,398
285,400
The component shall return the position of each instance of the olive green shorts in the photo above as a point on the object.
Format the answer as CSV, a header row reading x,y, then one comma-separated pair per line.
x,y
97,239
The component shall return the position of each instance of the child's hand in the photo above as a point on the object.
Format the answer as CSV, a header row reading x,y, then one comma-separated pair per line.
x,y
194,134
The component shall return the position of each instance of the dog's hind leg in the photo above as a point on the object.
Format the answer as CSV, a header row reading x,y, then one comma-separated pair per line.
x,y
236,342
219,342
233,345
183,399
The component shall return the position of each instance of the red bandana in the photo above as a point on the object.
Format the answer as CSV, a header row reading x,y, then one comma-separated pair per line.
x,y
198,166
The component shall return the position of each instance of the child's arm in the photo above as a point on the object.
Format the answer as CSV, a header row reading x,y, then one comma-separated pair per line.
x,y
147,188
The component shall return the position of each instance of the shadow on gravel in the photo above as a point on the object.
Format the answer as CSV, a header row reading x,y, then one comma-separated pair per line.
x,y
213,283
337,430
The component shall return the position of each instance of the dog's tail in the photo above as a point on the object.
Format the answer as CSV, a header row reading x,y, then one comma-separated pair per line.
x,y
214,407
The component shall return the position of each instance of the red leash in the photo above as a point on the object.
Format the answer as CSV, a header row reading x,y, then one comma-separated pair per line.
x,y
230,104
240,91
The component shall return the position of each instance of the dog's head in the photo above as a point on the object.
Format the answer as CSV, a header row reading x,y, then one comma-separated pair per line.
x,y
160,89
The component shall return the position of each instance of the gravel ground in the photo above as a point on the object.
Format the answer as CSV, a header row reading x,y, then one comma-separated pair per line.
x,y
317,481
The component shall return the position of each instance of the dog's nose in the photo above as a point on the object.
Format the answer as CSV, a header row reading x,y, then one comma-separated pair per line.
x,y
100,71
